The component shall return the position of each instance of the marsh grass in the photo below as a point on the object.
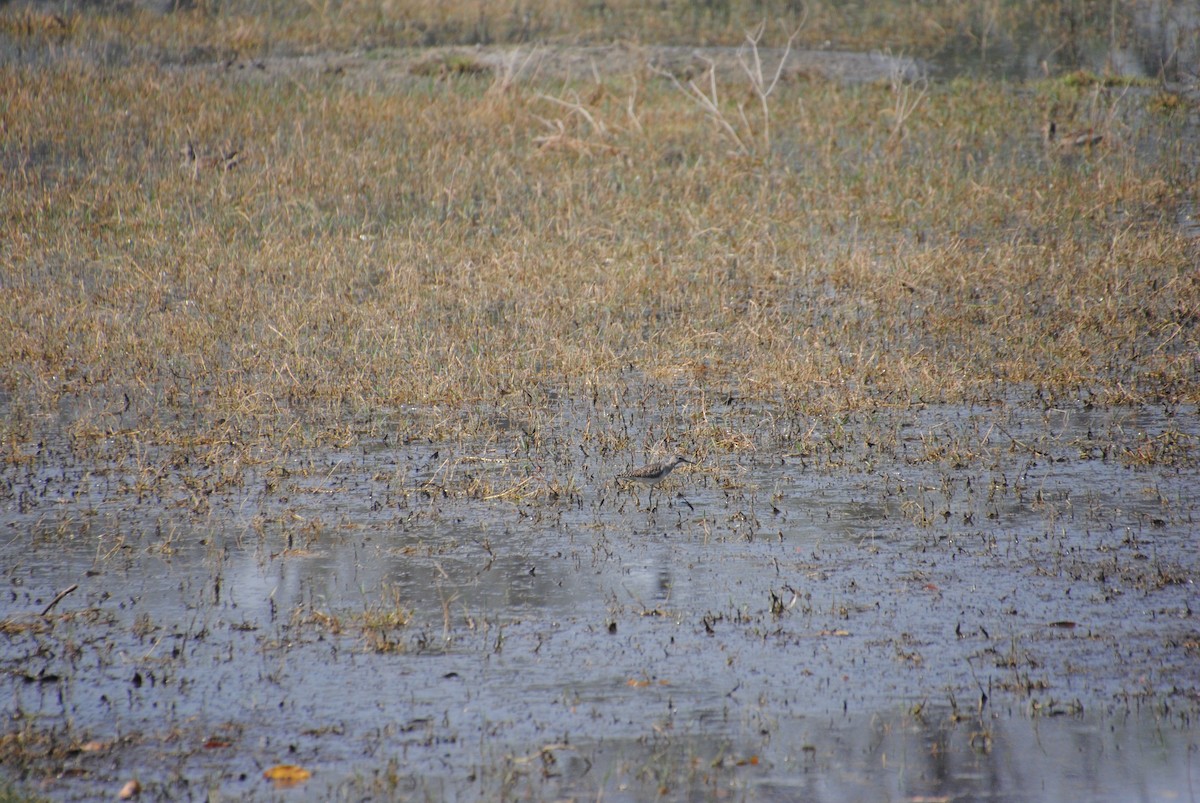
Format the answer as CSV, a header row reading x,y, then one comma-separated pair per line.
x,y
381,622
408,250
215,30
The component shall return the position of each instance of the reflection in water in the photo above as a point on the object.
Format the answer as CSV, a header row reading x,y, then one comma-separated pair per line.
x,y
823,629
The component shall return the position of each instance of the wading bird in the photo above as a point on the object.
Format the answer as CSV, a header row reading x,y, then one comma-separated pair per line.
x,y
654,473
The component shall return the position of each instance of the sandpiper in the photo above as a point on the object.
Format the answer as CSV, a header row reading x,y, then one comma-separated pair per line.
x,y
196,163
654,473
1074,141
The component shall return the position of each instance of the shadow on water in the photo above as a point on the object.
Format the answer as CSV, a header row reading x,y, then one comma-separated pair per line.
x,y
929,603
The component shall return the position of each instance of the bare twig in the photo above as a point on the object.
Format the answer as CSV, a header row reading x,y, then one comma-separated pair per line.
x,y
511,72
741,132
755,73
907,96
709,103
576,107
631,108
59,598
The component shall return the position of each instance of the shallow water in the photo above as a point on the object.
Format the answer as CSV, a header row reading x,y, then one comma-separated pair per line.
x,y
931,602
1144,40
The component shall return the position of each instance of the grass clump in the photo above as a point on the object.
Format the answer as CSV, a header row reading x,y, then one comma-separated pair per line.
x,y
381,623
451,65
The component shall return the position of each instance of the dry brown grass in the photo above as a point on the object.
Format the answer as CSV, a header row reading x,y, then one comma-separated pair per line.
x,y
415,244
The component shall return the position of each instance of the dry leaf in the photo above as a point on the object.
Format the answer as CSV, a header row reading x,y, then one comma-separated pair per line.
x,y
287,775
638,684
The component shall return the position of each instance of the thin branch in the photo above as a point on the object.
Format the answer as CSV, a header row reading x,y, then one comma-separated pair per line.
x,y
750,59
577,108
631,108
59,598
709,105
905,104
755,74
